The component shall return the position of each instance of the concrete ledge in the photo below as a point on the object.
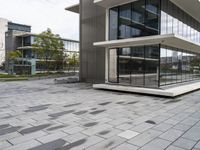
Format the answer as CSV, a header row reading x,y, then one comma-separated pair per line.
x,y
170,92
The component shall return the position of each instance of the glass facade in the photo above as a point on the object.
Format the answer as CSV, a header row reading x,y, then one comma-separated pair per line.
x,y
140,18
135,66
175,20
177,65
153,65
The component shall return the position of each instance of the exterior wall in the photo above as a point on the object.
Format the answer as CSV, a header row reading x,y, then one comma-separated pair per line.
x,y
92,29
3,29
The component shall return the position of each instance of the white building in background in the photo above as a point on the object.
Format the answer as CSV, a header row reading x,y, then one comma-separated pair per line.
x,y
3,30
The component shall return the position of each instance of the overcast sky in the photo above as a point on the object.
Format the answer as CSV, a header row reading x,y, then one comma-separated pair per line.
x,y
43,14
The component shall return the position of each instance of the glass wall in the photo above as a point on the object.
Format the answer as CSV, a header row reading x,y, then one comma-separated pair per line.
x,y
134,66
140,18
177,65
175,20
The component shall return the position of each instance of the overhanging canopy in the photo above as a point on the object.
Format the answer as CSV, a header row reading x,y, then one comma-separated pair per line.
x,y
192,7
172,40
73,8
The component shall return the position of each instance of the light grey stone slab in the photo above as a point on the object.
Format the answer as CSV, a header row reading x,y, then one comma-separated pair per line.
x,y
156,144
124,126
83,143
22,139
126,146
108,144
128,134
25,145
163,127
174,148
4,144
197,145
171,135
144,138
182,127
52,137
193,134
97,129
142,127
184,143
74,130
74,137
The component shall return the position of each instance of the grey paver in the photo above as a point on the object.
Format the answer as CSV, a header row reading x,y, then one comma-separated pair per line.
x,y
171,135
193,134
22,139
144,138
24,146
108,144
163,127
184,143
197,145
126,146
51,137
128,134
174,148
157,144
4,144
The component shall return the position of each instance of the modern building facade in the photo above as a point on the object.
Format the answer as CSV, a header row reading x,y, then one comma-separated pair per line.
x,y
139,43
24,43
7,39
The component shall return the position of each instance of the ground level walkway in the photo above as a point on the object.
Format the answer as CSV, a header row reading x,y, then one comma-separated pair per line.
x,y
41,115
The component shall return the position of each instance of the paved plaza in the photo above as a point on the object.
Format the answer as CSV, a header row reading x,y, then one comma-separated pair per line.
x,y
41,115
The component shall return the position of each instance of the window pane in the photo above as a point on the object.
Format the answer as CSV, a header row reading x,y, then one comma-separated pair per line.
x,y
113,23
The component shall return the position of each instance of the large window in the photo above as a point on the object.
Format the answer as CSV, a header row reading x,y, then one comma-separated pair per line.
x,y
135,66
140,18
177,65
175,20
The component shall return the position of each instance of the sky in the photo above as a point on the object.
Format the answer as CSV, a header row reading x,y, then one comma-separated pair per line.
x,y
43,14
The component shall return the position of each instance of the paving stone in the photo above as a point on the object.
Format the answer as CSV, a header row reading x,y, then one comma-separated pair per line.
x,y
4,144
9,130
182,127
124,126
128,134
109,133
73,130
51,145
74,137
126,146
172,121
24,146
34,129
190,121
193,134
142,127
184,143
162,127
56,128
28,137
52,137
174,148
144,138
97,129
197,145
82,143
156,144
108,144
171,135
3,126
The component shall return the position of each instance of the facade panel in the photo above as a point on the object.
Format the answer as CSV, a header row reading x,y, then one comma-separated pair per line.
x,y
92,28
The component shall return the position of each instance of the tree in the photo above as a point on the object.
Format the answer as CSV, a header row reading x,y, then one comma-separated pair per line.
x,y
49,48
14,55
